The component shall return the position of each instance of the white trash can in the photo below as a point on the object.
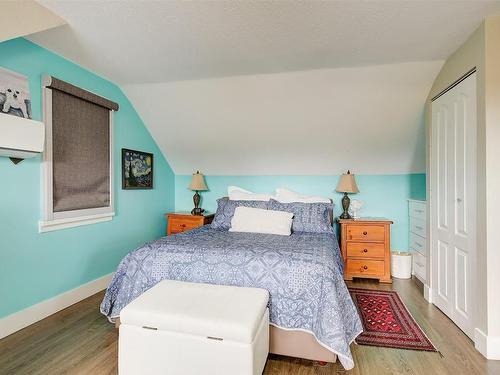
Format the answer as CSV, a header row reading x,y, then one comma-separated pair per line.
x,y
401,264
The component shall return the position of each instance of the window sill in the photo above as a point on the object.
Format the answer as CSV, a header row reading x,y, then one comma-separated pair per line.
x,y
51,225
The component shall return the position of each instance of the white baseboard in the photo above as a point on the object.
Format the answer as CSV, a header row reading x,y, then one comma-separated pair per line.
x,y
427,293
35,313
488,346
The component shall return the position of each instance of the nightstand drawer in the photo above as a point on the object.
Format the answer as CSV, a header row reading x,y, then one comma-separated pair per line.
x,y
189,220
174,231
365,250
365,232
177,226
365,267
181,222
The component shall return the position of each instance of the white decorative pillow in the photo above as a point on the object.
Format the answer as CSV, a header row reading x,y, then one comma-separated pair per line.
x,y
287,196
258,220
236,193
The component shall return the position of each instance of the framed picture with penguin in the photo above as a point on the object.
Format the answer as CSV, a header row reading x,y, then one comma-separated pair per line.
x,y
137,169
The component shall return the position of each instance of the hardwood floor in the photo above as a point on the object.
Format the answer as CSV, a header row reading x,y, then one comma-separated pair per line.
x,y
79,340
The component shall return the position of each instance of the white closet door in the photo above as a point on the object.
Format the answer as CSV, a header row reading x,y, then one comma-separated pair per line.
x,y
453,202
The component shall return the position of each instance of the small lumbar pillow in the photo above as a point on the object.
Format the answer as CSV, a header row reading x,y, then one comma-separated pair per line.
x,y
236,193
287,196
257,220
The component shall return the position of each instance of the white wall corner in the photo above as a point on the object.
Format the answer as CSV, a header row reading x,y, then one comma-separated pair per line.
x,y
32,314
488,346
427,293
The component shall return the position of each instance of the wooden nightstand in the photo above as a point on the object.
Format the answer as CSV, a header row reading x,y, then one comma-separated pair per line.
x,y
366,248
181,222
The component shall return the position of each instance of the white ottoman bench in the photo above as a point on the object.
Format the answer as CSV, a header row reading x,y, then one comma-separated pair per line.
x,y
180,328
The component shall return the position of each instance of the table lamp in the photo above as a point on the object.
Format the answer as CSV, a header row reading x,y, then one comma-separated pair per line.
x,y
197,184
347,185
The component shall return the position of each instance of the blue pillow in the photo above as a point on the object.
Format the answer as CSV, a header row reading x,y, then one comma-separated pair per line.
x,y
225,211
308,217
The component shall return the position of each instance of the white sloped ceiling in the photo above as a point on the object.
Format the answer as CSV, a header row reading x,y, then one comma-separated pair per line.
x,y
314,122
21,18
266,87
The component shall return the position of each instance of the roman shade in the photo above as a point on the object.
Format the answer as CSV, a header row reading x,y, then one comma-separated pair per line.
x,y
67,88
81,147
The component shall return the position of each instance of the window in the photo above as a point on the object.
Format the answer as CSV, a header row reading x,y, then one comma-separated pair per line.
x,y
78,156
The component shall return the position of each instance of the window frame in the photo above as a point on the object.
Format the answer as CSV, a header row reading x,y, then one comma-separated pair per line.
x,y
67,219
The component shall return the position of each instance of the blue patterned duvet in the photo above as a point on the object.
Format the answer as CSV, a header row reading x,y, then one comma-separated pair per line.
x,y
302,272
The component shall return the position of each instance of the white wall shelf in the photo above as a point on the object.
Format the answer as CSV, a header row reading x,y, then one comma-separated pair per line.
x,y
21,137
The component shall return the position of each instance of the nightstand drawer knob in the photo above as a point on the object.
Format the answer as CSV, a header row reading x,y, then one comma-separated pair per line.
x,y
365,267
365,232
183,225
365,250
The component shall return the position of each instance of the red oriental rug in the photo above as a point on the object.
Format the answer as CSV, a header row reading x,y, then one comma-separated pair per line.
x,y
387,322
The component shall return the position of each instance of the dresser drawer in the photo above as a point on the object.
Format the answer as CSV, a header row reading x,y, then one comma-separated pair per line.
x,y
417,210
365,267
418,243
420,266
365,233
418,226
365,249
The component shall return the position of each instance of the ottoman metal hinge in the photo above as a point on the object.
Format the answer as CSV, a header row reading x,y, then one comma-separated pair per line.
x,y
215,338
152,328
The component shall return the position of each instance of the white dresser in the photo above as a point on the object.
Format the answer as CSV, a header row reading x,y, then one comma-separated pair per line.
x,y
418,237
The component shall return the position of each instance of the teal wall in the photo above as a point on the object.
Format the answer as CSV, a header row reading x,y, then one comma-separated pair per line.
x,y
382,195
35,267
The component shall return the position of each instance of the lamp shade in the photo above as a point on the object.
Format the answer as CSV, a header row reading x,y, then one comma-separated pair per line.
x,y
198,182
347,184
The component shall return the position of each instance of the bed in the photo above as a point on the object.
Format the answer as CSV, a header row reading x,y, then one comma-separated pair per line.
x,y
311,312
